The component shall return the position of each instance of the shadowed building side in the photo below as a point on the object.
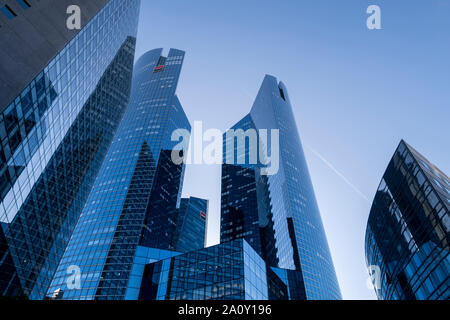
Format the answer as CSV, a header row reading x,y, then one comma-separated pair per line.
x,y
32,33
191,224
131,207
277,214
408,231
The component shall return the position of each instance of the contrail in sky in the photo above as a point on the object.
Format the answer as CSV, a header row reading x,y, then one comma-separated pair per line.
x,y
318,155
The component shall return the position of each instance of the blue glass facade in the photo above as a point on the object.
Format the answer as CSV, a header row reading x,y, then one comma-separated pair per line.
x,y
142,258
285,284
191,224
277,214
53,139
228,271
241,206
407,237
133,200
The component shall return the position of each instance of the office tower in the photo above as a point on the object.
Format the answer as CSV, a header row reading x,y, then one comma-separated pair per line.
x,y
408,232
63,95
131,208
277,213
191,224
229,271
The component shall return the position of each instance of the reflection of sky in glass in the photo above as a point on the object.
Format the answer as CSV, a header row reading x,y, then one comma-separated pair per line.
x,y
56,119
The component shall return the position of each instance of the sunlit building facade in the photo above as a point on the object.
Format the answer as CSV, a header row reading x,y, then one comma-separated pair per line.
x,y
63,94
133,201
408,232
229,271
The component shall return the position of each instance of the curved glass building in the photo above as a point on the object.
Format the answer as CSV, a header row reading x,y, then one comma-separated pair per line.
x,y
407,237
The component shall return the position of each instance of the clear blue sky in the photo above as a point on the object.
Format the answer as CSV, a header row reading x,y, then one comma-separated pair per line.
x,y
355,93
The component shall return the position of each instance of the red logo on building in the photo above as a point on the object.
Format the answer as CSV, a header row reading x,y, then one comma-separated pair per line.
x,y
158,69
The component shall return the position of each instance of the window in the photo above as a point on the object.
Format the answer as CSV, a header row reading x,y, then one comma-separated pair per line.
x,y
24,4
7,11
282,94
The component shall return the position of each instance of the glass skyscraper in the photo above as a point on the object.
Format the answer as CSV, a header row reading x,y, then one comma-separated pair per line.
x,y
408,232
132,206
62,98
277,214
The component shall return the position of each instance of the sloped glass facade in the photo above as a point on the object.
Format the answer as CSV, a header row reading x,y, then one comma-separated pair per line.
x,y
54,137
408,232
134,198
277,213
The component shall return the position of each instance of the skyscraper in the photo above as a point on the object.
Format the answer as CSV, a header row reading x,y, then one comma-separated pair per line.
x,y
408,232
276,214
131,210
63,93
191,224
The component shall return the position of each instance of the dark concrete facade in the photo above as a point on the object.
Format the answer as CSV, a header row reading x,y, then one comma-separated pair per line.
x,y
33,38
